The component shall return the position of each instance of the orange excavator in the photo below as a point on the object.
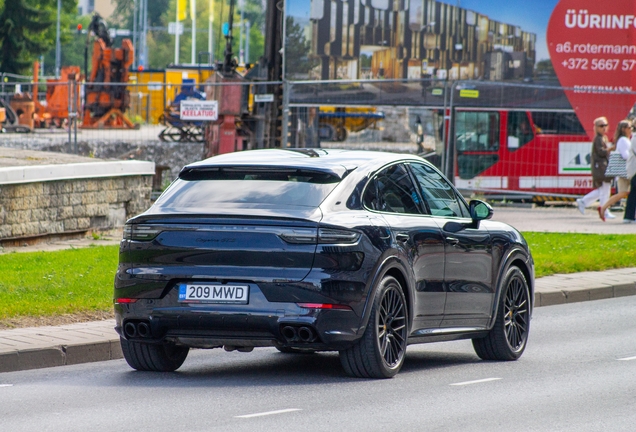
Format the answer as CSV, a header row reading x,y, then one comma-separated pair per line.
x,y
107,97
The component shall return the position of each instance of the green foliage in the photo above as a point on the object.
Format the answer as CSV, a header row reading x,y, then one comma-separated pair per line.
x,y
161,44
23,30
123,15
73,47
545,68
570,253
81,280
297,49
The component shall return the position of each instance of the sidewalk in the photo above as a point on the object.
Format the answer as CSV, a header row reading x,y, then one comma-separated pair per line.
x,y
40,347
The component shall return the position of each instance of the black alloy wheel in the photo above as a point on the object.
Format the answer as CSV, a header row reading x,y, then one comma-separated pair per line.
x,y
516,310
381,350
507,339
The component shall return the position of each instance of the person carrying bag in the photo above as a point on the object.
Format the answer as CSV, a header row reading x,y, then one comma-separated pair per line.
x,y
630,168
616,166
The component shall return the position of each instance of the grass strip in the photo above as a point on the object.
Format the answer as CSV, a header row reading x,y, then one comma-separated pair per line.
x,y
572,253
76,281
56,283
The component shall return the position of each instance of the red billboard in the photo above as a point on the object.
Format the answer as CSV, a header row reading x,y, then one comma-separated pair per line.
x,y
593,51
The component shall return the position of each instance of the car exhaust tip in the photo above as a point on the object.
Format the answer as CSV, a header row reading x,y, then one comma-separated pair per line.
x,y
290,333
306,334
130,330
143,330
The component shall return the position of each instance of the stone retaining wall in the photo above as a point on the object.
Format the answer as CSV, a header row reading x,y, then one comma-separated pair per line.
x,y
70,206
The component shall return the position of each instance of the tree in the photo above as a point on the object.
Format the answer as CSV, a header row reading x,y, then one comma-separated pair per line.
x,y
123,14
21,26
297,50
545,68
73,46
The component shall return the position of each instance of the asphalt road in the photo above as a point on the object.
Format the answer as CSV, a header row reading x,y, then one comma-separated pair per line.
x,y
577,374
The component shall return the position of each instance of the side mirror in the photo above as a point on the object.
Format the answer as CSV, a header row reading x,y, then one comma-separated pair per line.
x,y
480,210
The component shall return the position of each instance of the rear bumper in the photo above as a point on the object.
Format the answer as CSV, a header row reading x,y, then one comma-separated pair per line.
x,y
258,323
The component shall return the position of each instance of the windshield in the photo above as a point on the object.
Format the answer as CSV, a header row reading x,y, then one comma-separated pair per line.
x,y
200,189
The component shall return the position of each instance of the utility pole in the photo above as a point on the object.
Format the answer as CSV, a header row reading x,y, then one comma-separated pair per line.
x,y
143,24
193,17
135,31
58,50
210,32
176,36
241,27
247,42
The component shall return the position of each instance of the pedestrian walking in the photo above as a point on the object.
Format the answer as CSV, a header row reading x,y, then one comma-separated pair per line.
x,y
630,206
599,160
617,165
419,140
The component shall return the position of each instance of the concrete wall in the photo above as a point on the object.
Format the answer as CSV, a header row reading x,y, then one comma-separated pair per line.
x,y
37,201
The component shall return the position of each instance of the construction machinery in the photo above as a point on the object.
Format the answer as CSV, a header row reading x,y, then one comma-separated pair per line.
x,y
107,97
55,111
12,121
228,133
335,123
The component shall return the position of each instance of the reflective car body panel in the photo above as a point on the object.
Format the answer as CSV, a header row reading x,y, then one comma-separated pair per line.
x,y
468,276
420,244
313,259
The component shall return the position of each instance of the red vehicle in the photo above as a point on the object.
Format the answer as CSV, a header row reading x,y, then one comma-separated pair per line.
x,y
523,154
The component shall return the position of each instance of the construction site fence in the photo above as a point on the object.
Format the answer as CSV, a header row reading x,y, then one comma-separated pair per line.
x,y
441,119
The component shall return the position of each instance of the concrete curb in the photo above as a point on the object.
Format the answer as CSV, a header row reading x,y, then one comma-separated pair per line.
x,y
584,286
41,347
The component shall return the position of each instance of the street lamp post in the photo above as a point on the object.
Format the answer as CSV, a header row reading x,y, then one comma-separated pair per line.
x,y
58,51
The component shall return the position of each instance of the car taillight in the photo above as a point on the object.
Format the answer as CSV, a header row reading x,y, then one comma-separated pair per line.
x,y
324,236
324,306
125,300
299,235
140,232
328,235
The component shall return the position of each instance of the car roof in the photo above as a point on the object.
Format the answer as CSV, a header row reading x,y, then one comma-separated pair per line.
x,y
334,162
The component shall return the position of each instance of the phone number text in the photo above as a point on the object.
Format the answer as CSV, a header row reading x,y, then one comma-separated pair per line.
x,y
599,64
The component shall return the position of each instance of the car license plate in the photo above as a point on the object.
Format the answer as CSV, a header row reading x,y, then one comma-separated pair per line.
x,y
213,293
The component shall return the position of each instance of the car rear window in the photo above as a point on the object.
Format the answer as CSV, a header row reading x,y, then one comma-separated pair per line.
x,y
201,188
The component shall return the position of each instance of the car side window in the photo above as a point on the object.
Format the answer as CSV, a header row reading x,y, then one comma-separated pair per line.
x,y
440,196
391,190
519,130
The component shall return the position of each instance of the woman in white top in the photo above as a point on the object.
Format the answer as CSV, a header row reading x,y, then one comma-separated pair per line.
x,y
621,140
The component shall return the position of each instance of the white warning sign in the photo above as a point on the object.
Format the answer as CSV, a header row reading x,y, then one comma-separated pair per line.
x,y
199,110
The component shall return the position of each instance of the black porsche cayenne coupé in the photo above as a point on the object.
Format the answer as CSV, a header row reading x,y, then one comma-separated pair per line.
x,y
319,250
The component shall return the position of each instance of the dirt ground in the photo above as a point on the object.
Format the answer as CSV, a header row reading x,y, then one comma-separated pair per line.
x,y
54,320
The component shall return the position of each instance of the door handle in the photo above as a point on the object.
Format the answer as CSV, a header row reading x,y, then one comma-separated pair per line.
x,y
402,237
452,241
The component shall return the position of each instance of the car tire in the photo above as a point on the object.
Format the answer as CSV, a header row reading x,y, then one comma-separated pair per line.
x,y
341,134
381,350
153,357
508,337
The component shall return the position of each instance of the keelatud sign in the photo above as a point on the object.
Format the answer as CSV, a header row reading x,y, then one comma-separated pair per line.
x,y
199,110
592,45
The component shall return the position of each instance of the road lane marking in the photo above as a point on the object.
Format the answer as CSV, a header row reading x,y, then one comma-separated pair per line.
x,y
269,413
476,381
627,358
6,385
